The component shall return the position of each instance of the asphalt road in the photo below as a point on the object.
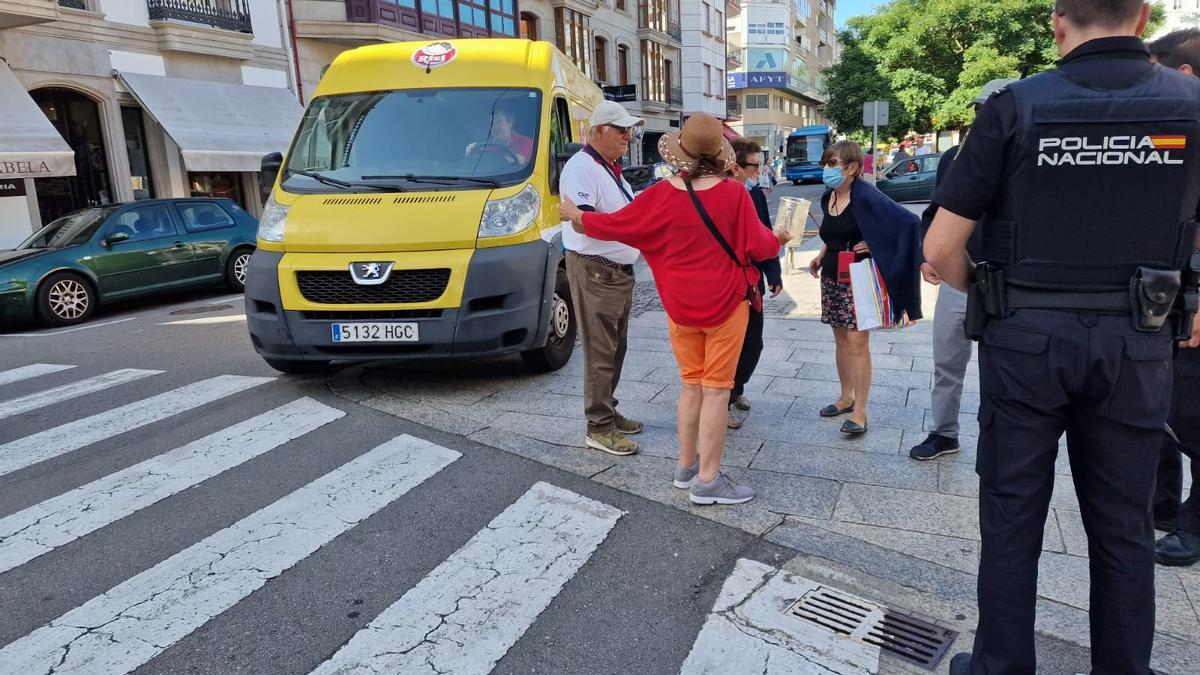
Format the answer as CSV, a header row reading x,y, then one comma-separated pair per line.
x,y
633,604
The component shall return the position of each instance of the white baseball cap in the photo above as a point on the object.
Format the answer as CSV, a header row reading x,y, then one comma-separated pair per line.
x,y
611,112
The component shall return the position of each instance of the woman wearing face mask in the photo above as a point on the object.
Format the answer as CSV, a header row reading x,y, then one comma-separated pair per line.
x,y
748,171
861,222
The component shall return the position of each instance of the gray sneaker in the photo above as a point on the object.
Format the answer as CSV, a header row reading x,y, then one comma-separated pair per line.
x,y
721,491
684,475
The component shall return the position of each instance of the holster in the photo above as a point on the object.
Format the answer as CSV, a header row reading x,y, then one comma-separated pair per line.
x,y
1188,301
985,299
1152,294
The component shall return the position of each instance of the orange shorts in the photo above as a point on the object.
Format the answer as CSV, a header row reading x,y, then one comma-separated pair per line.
x,y
709,356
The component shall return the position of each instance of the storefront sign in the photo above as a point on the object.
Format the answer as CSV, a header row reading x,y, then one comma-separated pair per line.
x,y
12,188
759,80
30,169
621,93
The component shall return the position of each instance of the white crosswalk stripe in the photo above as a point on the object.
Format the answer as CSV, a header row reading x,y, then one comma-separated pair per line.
x,y
124,628
74,435
32,370
91,385
63,519
466,614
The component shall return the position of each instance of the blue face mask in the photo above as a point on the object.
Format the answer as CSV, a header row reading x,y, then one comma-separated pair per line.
x,y
832,177
751,183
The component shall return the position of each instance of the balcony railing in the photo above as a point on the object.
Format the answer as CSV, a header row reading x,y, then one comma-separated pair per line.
x,y
824,35
675,97
73,4
675,30
733,56
230,15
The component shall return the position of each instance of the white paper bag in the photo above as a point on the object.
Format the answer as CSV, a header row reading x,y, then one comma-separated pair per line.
x,y
867,310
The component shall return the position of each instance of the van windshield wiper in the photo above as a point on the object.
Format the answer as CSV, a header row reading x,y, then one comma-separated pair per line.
x,y
414,178
345,185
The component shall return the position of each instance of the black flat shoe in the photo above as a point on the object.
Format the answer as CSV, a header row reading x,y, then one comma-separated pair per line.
x,y
832,410
852,428
1178,549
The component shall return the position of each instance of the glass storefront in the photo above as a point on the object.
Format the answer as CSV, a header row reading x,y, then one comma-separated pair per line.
x,y
77,119
139,156
217,184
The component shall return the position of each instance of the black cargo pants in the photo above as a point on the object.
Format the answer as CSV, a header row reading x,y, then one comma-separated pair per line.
x,y
1107,386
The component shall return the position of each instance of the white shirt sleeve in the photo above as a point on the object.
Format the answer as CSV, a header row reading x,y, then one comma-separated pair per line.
x,y
578,184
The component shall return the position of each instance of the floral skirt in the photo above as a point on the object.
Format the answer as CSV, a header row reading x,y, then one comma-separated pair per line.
x,y
837,304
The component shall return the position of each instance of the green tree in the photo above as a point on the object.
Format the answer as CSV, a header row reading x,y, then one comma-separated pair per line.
x,y
929,58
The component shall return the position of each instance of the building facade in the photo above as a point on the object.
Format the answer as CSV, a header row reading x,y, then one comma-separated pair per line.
x,y
778,49
705,55
120,100
1180,14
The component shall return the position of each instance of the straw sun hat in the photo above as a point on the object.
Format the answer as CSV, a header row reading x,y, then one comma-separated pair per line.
x,y
701,136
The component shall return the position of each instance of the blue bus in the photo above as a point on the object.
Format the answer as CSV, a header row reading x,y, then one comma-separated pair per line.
x,y
803,154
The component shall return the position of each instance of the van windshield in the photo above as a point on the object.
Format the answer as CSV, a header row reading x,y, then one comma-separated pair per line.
x,y
415,139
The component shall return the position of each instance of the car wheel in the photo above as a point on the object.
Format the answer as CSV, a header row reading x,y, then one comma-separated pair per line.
x,y
237,267
560,342
297,367
795,182
65,299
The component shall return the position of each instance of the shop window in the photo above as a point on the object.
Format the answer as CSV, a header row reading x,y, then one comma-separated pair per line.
x,y
529,26
203,216
217,184
139,155
77,120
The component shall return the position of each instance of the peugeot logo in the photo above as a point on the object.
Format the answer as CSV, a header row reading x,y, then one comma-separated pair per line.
x,y
370,273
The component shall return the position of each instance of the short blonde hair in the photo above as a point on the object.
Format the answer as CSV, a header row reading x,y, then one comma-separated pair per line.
x,y
848,152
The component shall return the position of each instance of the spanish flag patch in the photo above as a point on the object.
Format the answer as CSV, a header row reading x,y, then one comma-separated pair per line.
x,y
1169,142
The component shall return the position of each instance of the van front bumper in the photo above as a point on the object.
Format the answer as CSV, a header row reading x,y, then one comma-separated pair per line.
x,y
504,309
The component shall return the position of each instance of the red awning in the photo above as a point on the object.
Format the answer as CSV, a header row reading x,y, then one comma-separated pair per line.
x,y
730,134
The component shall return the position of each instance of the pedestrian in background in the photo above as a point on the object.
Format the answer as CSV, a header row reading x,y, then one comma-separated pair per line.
x,y
1083,265
859,222
601,276
951,347
700,234
749,162
1178,518
869,163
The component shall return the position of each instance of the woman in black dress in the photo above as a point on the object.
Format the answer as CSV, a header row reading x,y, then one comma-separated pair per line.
x,y
841,238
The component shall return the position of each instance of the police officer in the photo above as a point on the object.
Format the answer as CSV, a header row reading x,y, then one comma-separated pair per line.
x,y
1180,519
1087,181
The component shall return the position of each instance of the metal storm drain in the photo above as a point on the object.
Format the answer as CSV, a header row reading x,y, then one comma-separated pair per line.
x,y
899,634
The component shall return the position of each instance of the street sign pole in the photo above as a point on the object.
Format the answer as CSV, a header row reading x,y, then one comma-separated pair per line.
x,y
875,114
875,141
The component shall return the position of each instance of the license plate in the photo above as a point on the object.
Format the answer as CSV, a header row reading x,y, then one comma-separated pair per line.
x,y
375,332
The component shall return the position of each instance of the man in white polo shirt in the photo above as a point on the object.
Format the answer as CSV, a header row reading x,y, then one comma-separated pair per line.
x,y
601,274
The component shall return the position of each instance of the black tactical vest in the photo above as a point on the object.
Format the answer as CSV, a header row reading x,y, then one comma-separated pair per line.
x,y
1107,181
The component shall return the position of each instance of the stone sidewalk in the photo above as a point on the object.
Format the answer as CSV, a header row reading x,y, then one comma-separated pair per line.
x,y
860,503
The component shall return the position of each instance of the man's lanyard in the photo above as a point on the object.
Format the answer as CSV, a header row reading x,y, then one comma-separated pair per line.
x,y
608,168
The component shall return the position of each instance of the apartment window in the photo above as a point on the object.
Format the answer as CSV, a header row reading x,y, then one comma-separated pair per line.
x,y
623,64
720,23
1178,4
619,4
574,33
708,83
719,83
529,26
707,10
601,59
757,101
655,82
503,16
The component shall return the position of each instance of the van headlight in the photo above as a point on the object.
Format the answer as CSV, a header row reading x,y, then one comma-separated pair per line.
x,y
271,223
502,217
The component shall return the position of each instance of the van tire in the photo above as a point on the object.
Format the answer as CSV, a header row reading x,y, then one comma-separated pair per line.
x,y
297,367
795,182
560,341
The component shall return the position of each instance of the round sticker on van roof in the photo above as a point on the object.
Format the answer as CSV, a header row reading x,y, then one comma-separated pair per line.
x,y
434,55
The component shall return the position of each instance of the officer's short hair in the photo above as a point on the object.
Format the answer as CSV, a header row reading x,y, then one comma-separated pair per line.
x,y
1178,48
847,151
1102,13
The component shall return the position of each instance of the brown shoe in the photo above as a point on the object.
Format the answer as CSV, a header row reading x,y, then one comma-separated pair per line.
x,y
612,442
734,422
627,426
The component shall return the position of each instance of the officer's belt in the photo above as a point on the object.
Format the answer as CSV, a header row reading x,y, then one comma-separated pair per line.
x,y
1109,302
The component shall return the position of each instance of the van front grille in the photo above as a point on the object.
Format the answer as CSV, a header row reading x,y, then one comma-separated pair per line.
x,y
434,199
402,287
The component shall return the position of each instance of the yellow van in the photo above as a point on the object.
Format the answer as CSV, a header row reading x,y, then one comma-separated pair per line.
x,y
416,213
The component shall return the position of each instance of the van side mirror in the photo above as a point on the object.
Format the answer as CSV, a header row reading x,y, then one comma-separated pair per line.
x,y
269,169
560,160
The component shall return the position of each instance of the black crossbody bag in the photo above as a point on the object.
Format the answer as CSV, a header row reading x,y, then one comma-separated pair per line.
x,y
753,295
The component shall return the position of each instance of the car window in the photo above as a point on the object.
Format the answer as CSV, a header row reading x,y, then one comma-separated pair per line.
x,y
907,167
930,164
203,216
145,222
70,230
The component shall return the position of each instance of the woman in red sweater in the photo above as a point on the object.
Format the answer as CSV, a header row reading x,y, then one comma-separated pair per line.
x,y
703,289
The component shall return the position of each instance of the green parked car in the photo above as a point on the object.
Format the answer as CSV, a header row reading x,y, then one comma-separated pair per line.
x,y
911,179
61,273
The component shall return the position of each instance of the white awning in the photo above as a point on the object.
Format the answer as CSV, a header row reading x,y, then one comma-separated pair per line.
x,y
30,146
218,126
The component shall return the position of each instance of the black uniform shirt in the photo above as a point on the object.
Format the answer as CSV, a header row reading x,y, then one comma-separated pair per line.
x,y
974,184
